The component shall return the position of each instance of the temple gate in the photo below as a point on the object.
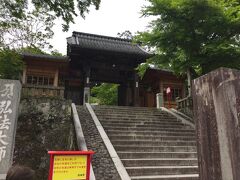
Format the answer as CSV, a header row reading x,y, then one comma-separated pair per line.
x,y
97,59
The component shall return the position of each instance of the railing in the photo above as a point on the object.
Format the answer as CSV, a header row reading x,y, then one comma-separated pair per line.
x,y
42,91
185,105
81,143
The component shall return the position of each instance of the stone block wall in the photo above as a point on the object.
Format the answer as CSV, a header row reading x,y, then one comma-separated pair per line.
x,y
103,165
44,124
42,91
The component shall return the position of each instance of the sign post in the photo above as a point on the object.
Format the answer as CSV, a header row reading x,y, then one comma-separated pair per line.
x,y
70,165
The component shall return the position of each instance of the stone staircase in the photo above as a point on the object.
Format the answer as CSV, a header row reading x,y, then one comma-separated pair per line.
x,y
152,144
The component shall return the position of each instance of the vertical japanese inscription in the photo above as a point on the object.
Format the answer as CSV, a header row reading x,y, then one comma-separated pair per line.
x,y
9,102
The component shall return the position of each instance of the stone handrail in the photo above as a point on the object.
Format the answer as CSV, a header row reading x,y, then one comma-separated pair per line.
x,y
185,105
182,119
81,143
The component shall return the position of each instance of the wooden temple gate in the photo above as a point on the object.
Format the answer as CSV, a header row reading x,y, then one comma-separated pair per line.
x,y
97,59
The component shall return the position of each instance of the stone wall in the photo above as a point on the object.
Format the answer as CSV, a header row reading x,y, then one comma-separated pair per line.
x,y
44,124
42,91
103,166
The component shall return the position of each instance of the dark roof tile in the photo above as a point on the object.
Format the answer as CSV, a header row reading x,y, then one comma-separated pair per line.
x,y
105,43
45,57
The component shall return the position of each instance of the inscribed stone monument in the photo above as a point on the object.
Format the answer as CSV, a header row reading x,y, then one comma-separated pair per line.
x,y
9,101
216,100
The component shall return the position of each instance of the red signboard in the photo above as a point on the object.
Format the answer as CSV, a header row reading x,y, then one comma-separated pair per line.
x,y
66,165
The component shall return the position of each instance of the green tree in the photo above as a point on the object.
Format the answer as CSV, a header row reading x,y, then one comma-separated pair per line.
x,y
105,94
11,64
194,36
125,35
65,9
34,29
31,50
56,53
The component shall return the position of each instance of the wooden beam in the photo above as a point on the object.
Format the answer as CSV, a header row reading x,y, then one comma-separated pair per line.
x,y
56,78
24,75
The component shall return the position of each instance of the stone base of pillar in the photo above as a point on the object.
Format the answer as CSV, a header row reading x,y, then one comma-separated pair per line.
x,y
86,95
159,99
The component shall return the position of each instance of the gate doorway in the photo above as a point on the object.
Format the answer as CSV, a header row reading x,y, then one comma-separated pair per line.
x,y
104,94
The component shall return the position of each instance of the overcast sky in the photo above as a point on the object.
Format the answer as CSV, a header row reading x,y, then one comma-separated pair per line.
x,y
113,16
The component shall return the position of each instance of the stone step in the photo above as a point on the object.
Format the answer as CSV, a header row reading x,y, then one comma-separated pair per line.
x,y
148,133
161,170
153,143
138,113
155,148
130,110
160,162
168,177
152,138
134,115
139,120
137,116
126,108
137,129
138,155
125,125
146,122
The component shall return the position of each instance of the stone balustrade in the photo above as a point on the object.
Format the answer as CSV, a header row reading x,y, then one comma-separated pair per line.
x,y
185,105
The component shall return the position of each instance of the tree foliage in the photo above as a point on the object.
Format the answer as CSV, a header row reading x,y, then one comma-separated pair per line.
x,y
11,64
125,35
56,53
65,9
105,94
33,29
31,50
199,35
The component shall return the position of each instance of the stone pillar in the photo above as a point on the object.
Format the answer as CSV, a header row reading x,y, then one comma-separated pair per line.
x,y
10,91
86,90
216,98
159,99
86,95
